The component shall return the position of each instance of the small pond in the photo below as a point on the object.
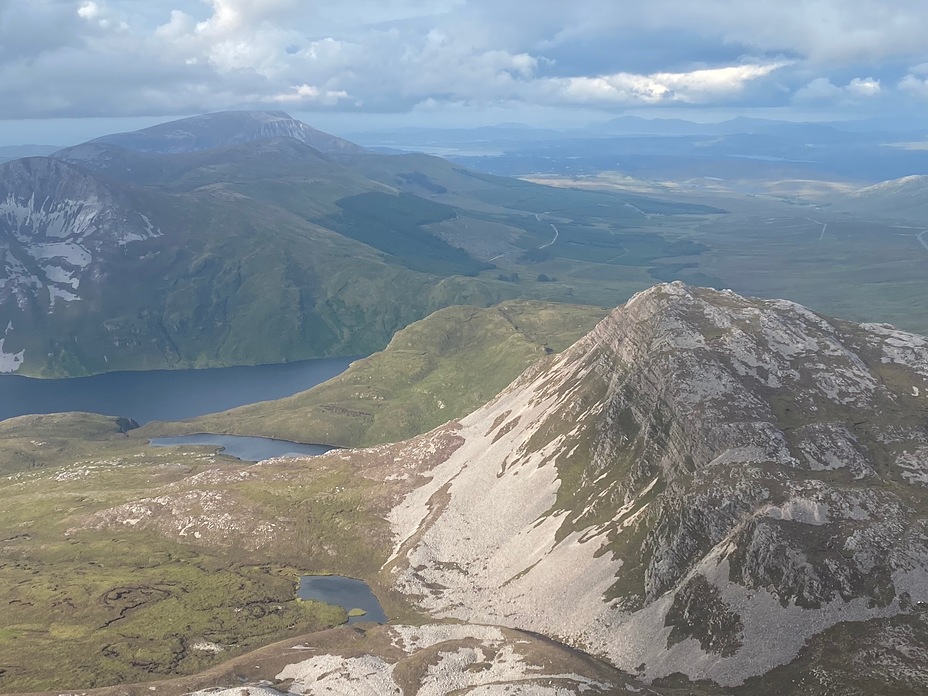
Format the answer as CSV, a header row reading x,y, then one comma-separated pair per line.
x,y
248,449
343,592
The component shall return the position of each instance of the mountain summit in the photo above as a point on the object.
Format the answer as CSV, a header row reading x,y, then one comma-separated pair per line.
x,y
226,128
705,484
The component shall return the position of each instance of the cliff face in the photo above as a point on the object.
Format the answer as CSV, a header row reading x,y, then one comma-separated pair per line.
x,y
57,221
700,485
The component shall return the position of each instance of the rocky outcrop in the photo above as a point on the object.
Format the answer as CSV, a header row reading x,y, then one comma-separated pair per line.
x,y
700,485
57,222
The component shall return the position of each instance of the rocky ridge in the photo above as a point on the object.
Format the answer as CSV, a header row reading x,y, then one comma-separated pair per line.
x,y
700,485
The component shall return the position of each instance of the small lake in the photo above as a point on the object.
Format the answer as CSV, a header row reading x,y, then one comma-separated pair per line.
x,y
164,394
248,449
342,592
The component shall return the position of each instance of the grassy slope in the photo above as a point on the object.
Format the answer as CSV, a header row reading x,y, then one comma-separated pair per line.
x,y
436,369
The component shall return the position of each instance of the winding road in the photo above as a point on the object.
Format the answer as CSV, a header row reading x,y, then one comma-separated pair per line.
x,y
556,233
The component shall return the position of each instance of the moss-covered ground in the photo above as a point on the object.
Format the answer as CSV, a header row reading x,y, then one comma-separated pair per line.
x,y
91,596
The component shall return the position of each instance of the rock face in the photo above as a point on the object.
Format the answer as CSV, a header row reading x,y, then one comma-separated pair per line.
x,y
224,129
57,223
700,485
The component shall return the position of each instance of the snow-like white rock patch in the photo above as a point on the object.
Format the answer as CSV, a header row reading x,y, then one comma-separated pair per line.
x,y
10,362
332,675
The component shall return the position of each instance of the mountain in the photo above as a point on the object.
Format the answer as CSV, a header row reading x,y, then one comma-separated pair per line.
x,y
906,197
705,485
225,128
101,275
280,243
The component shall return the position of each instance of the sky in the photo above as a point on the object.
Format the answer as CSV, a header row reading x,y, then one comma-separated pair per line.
x,y
73,69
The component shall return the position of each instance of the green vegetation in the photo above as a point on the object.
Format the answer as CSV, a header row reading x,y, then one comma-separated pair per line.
x,y
270,252
440,368
395,225
121,565
859,260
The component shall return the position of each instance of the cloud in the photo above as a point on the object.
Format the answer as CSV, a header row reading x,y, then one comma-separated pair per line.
x,y
307,95
864,87
822,90
915,83
166,57
88,10
694,87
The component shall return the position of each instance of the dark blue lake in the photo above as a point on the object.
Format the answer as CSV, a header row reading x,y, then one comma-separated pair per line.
x,y
343,592
248,449
164,394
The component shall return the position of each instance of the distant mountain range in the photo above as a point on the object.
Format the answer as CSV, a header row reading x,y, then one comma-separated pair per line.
x,y
249,237
673,149
11,152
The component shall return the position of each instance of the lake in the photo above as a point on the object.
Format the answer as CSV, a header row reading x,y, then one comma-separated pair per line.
x,y
343,592
164,394
248,449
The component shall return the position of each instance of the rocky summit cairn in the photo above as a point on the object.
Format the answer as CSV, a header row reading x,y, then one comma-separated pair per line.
x,y
702,485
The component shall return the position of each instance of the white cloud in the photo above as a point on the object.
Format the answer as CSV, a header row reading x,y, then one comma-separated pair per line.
x,y
864,87
307,95
88,10
915,85
176,56
821,90
694,87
